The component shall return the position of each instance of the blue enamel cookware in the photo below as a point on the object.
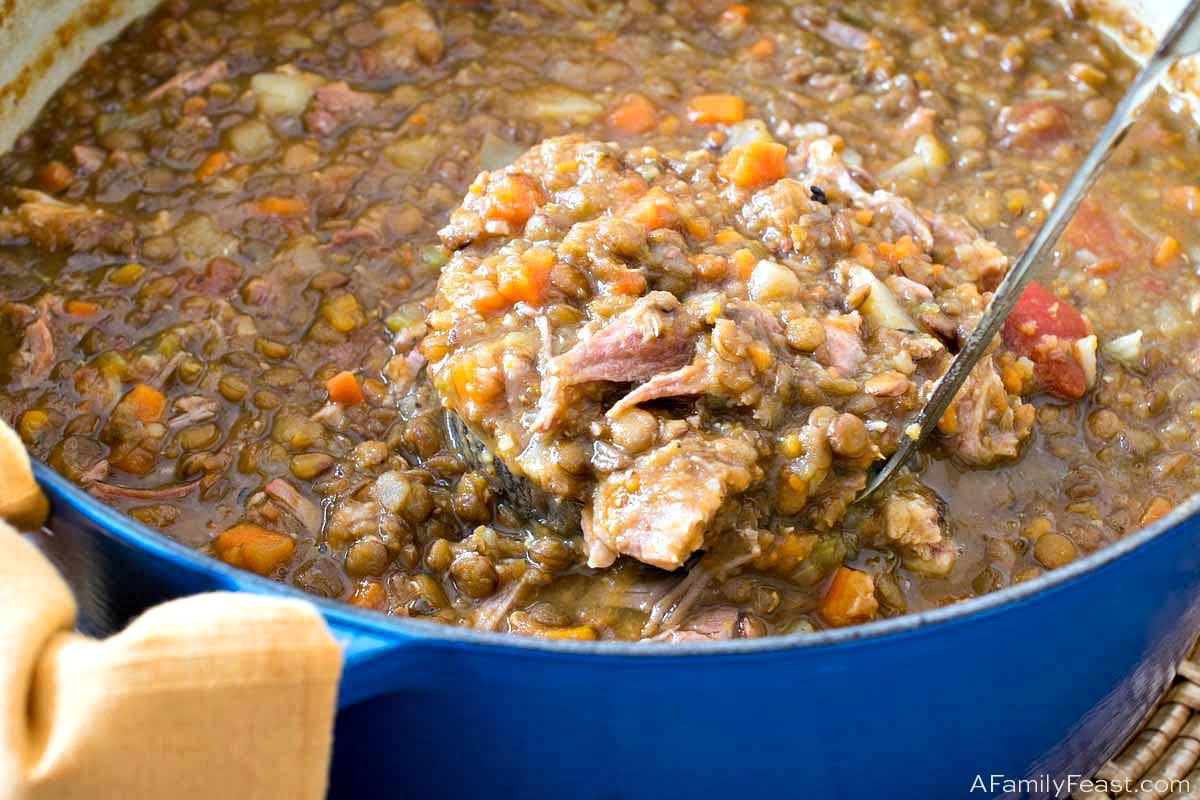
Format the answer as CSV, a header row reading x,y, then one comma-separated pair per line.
x,y
1035,683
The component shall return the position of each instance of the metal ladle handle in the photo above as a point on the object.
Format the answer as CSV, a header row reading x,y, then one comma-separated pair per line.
x,y
1183,39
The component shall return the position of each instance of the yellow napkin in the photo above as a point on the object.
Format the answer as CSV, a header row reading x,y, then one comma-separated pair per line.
x,y
221,696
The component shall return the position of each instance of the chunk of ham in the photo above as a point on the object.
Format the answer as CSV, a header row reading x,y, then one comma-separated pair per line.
x,y
659,509
108,492
192,410
652,336
411,38
986,424
824,168
54,225
714,624
1044,328
334,104
36,356
843,348
842,35
1032,126
299,506
193,80
88,158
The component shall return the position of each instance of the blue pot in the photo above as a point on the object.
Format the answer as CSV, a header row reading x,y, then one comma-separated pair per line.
x,y
1039,681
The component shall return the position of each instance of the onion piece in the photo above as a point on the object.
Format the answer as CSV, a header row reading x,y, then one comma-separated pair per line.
x,y
1085,354
881,306
496,153
1125,349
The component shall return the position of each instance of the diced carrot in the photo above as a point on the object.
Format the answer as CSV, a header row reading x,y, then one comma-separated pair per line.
x,y
861,252
146,403
864,216
343,389
655,209
524,279
708,109
1156,510
194,105
709,266
514,198
253,547
754,164
474,383
55,176
1166,251
489,302
1103,266
948,424
850,598
902,248
1012,378
628,282
213,163
279,207
762,49
369,594
744,260
728,236
1182,198
633,115
738,12
80,308
698,228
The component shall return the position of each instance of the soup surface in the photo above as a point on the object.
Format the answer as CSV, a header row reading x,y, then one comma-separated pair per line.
x,y
220,307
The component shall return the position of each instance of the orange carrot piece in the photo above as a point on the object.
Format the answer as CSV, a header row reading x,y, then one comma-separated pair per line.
x,y
146,403
738,12
628,282
633,115
745,261
213,163
343,389
655,209
1166,252
488,300
762,49
80,308
279,207
514,198
709,109
55,176
1182,198
254,548
754,164
850,598
523,280
1103,266
369,594
1156,510
474,383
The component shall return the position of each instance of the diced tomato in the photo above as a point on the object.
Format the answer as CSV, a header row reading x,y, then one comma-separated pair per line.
x,y
1043,327
1099,231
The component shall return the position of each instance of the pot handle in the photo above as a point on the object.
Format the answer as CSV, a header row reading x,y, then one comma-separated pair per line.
x,y
374,663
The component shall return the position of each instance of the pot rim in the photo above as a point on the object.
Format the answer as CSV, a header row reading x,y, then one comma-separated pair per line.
x,y
150,541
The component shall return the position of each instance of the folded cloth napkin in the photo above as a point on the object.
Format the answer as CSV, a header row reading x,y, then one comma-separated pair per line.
x,y
223,695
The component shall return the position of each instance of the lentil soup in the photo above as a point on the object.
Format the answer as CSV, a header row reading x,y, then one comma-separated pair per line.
x,y
587,320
